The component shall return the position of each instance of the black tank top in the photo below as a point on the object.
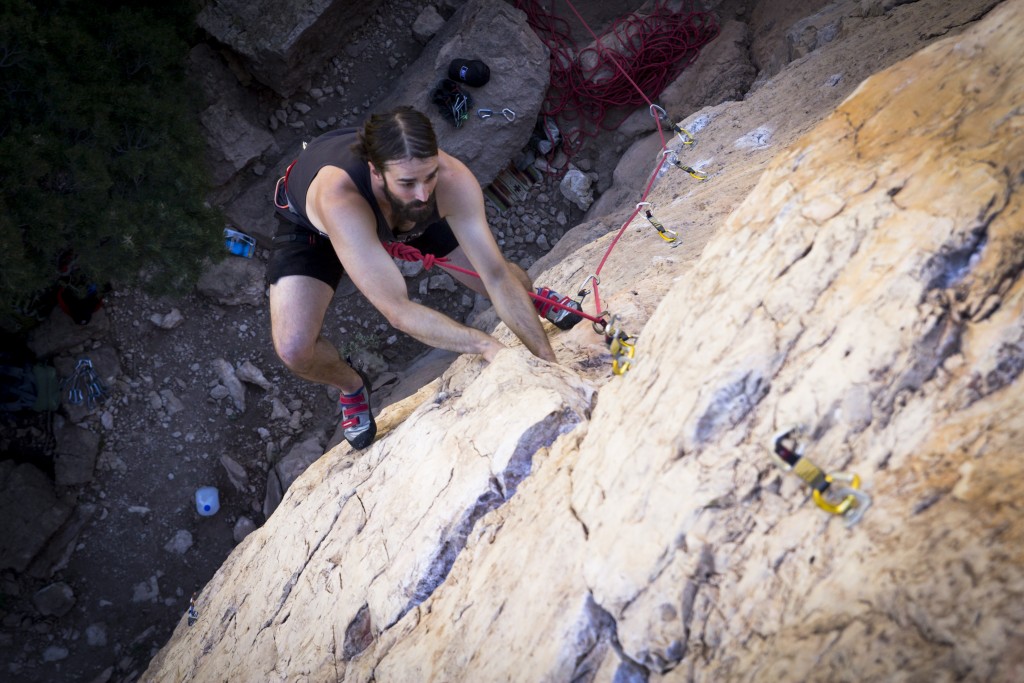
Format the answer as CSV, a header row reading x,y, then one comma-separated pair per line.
x,y
334,149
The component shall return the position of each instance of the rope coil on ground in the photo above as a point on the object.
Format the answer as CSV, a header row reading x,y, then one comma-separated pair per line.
x,y
649,53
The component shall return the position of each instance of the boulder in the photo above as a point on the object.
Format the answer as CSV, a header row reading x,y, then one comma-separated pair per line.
x,y
58,550
247,372
576,187
179,543
237,475
60,333
76,451
232,141
229,379
769,24
282,43
722,72
274,493
30,512
497,34
427,24
243,527
167,321
235,281
234,137
298,459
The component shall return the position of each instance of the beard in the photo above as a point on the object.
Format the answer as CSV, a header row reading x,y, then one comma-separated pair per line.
x,y
403,212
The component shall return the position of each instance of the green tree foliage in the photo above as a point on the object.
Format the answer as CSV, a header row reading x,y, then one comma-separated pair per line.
x,y
100,151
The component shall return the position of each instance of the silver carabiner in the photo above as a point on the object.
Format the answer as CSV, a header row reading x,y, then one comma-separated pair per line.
x,y
509,114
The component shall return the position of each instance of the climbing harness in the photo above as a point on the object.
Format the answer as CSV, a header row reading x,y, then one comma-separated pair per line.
x,y
837,493
84,385
667,235
193,613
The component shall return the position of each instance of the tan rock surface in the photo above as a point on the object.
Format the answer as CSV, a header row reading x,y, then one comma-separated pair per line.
x,y
867,287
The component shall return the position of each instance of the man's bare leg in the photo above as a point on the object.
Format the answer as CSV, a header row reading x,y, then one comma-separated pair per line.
x,y
297,308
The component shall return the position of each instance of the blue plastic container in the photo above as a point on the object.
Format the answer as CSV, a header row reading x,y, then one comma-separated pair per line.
x,y
238,243
207,501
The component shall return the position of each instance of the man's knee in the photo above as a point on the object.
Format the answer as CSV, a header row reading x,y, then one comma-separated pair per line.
x,y
295,351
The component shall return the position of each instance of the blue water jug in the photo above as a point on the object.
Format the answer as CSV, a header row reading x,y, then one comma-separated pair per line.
x,y
207,501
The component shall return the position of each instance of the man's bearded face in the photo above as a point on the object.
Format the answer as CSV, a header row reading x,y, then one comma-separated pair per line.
x,y
413,210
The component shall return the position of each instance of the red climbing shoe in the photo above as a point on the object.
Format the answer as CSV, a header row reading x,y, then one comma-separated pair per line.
x,y
561,318
357,421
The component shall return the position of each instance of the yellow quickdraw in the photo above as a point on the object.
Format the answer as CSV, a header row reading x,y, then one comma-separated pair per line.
x,y
838,494
669,236
620,346
699,175
684,135
622,355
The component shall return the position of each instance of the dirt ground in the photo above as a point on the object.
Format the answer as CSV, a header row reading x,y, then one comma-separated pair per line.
x,y
131,586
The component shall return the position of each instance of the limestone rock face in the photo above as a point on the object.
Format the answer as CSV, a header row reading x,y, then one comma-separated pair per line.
x,y
525,521
434,501
276,39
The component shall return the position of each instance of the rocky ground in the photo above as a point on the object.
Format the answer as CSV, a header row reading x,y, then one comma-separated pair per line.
x,y
107,593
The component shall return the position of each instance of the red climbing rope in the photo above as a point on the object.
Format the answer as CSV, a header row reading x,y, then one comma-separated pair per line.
x,y
649,53
405,252
637,55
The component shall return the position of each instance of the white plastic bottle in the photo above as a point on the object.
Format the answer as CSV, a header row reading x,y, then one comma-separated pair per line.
x,y
207,501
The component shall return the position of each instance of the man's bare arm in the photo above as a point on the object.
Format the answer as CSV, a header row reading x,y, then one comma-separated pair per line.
x,y
464,209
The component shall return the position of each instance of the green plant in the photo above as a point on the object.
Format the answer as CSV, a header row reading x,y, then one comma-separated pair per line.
x,y
100,151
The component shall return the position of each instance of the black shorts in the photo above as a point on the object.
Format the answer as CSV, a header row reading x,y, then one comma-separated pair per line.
x,y
313,255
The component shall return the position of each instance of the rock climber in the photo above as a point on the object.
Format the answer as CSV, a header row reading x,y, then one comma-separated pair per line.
x,y
349,191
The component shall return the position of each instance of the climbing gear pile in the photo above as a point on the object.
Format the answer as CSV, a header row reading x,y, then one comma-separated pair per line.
x,y
837,493
453,104
357,422
84,385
